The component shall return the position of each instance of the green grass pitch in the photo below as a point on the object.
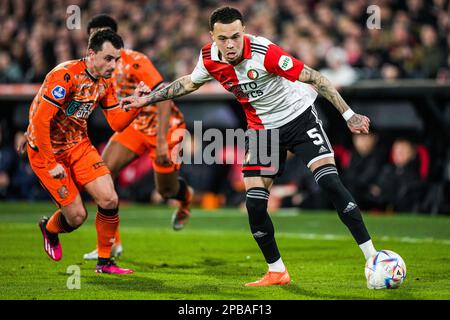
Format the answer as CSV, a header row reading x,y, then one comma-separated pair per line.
x,y
215,255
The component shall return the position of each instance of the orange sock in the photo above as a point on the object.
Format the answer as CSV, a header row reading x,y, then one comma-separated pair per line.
x,y
117,236
58,223
107,224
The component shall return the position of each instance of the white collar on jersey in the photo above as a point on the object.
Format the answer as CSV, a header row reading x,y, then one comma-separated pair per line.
x,y
214,52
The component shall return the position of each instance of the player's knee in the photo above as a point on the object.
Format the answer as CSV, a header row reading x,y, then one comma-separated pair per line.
x,y
77,217
109,201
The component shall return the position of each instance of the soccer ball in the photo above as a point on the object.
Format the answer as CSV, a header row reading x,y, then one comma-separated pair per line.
x,y
385,270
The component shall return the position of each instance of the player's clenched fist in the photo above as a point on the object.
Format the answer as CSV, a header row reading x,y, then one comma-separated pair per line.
x,y
359,124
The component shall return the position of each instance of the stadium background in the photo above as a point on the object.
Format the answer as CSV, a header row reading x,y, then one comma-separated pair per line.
x,y
398,75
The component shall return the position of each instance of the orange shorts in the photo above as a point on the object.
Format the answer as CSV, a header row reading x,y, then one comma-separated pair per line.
x,y
141,143
82,163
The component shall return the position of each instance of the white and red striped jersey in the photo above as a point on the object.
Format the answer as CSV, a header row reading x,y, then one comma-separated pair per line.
x,y
265,82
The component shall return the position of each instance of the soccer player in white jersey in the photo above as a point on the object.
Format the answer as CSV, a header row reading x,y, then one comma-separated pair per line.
x,y
277,92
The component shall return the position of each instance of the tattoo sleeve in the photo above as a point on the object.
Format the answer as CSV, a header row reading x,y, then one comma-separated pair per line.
x,y
178,88
323,87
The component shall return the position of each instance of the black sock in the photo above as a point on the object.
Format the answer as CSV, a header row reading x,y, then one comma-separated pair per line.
x,y
182,191
260,223
64,224
103,261
347,209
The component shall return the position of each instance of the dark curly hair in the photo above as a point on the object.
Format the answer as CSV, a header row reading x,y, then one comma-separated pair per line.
x,y
224,15
101,36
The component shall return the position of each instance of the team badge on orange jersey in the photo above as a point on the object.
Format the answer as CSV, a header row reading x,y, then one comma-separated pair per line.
x,y
63,192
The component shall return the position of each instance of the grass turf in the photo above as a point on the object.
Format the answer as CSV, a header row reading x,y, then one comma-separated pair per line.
x,y
215,255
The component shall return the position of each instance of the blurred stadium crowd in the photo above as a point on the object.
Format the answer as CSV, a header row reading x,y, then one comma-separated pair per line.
x,y
328,35
331,35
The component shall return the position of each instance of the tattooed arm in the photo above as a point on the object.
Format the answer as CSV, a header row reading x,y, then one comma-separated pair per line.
x,y
178,88
357,123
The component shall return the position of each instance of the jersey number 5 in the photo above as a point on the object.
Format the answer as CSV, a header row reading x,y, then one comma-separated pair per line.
x,y
313,134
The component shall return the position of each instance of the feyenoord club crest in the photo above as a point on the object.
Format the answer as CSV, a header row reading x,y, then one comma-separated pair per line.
x,y
252,74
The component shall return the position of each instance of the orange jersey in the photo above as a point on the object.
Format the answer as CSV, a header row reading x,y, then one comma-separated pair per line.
x,y
60,110
132,68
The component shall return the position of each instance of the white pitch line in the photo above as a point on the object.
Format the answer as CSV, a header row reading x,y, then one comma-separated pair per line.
x,y
317,236
289,213
327,236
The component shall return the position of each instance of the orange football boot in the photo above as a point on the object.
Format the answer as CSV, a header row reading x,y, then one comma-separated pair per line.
x,y
271,278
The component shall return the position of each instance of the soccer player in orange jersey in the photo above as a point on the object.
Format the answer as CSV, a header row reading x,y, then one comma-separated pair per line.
x,y
151,132
61,154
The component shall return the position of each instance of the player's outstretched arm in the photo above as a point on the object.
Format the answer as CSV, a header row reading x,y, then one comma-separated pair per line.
x,y
178,88
357,123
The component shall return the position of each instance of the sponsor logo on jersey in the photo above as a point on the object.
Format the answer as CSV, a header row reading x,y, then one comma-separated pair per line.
x,y
79,109
252,74
58,92
73,106
246,90
285,63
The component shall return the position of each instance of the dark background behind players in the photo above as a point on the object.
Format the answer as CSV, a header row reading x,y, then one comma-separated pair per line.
x,y
331,36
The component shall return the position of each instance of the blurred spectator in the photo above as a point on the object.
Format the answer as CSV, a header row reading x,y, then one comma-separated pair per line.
x,y
339,71
371,65
430,52
390,71
363,167
9,70
7,160
399,186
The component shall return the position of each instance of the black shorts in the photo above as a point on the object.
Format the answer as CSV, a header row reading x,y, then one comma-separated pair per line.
x,y
266,150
